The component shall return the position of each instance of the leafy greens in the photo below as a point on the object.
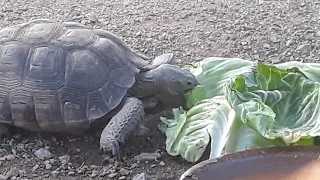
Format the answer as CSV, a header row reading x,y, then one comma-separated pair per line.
x,y
243,105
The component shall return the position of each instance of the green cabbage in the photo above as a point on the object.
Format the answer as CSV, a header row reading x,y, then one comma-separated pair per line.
x,y
241,104
188,133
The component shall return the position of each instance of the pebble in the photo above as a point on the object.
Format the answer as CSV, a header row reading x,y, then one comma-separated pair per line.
x,y
70,173
35,167
142,176
310,36
112,175
134,165
13,172
52,161
233,37
64,159
94,173
92,18
22,172
289,42
304,48
48,166
9,157
266,45
124,172
55,173
162,36
274,38
244,43
3,177
43,153
148,157
161,163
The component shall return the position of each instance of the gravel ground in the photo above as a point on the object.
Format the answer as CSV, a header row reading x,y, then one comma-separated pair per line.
x,y
273,31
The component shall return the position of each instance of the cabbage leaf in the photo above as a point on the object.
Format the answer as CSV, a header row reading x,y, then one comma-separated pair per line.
x,y
277,103
241,105
189,132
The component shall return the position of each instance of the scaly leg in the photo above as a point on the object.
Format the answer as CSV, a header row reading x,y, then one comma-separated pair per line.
x,y
123,125
5,131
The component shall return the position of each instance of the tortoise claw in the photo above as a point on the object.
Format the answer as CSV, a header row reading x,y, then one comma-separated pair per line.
x,y
113,148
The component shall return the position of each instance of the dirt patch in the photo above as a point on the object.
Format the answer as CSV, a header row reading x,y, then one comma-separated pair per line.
x,y
271,30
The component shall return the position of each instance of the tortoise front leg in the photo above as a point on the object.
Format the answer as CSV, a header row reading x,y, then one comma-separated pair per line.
x,y
123,125
5,131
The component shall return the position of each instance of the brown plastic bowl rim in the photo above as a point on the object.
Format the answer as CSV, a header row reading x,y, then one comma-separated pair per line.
x,y
299,150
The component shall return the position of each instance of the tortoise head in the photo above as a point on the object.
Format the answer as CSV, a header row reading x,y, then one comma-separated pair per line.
x,y
172,82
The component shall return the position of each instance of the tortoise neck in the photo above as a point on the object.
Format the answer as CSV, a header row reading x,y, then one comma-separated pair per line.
x,y
144,86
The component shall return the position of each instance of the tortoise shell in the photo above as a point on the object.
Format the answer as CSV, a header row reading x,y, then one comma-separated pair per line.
x,y
61,76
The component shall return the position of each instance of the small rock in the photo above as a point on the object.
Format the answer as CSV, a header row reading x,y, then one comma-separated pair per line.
x,y
104,172
124,172
48,166
274,38
233,37
310,37
112,175
161,163
317,34
243,43
54,173
52,161
13,172
35,167
267,46
289,42
94,167
93,18
138,33
134,165
122,177
304,48
94,173
43,153
163,36
141,176
64,159
70,173
153,166
3,177
22,172
80,171
9,157
148,157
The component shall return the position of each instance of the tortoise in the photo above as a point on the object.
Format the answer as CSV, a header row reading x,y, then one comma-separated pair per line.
x,y
64,76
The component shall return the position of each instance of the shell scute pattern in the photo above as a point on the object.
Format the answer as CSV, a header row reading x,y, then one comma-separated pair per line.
x,y
13,58
38,34
75,38
60,76
49,63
